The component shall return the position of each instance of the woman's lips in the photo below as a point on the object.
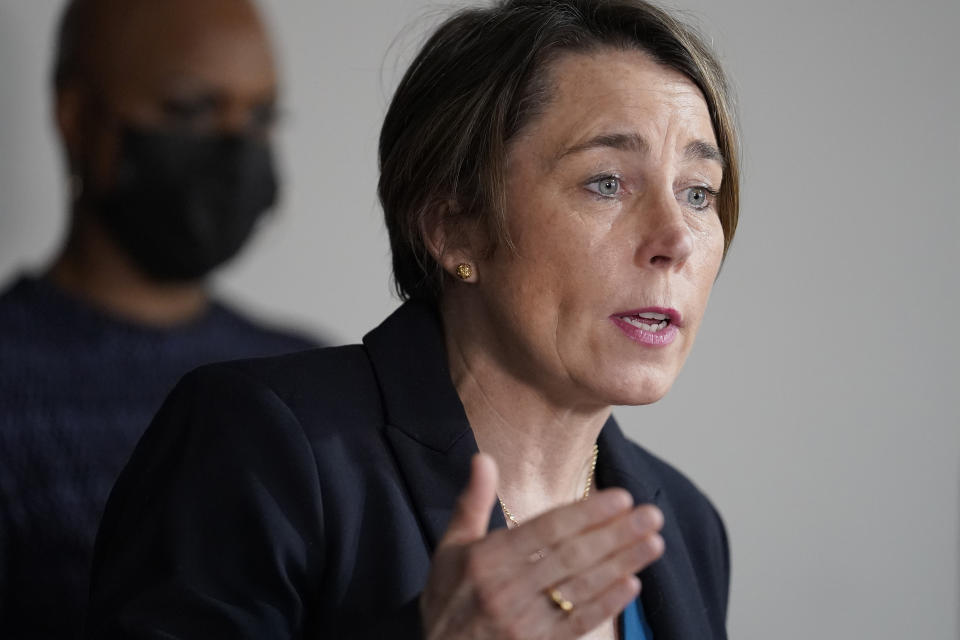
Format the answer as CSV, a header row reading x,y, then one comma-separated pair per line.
x,y
652,326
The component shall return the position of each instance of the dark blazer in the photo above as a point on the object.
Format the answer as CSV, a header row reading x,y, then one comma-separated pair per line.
x,y
302,496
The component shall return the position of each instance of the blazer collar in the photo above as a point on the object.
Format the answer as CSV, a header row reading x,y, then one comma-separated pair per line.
x,y
409,358
427,429
426,424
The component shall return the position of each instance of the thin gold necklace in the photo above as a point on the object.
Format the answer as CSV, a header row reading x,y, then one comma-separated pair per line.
x,y
586,489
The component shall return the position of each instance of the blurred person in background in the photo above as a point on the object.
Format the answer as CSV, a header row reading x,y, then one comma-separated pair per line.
x,y
165,111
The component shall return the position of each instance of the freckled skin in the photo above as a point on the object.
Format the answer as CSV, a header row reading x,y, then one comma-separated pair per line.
x,y
544,313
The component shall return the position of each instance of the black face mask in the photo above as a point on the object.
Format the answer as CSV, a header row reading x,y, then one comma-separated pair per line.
x,y
184,204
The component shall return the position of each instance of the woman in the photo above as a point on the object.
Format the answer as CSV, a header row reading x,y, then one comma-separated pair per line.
x,y
560,186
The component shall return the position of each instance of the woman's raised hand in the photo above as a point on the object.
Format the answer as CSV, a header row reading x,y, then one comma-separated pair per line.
x,y
496,586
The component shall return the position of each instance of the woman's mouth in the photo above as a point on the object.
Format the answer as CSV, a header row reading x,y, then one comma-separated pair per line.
x,y
650,327
648,321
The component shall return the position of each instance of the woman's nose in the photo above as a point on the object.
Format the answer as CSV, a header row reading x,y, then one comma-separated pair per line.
x,y
666,240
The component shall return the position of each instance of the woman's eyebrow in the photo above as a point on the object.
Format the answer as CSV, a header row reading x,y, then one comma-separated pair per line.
x,y
703,150
634,142
620,141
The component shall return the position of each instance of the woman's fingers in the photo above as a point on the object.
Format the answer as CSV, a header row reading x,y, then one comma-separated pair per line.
x,y
472,514
582,565
593,549
632,537
556,526
585,585
586,616
589,562
548,620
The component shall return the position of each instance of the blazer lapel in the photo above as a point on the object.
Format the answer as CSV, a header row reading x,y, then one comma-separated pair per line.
x,y
427,427
670,592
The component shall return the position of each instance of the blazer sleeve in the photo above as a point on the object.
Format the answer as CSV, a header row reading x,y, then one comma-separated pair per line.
x,y
214,529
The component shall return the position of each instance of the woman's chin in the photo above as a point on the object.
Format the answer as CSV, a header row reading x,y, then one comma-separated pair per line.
x,y
640,398
638,390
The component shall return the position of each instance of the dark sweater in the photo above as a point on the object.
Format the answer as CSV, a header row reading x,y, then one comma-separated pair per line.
x,y
77,389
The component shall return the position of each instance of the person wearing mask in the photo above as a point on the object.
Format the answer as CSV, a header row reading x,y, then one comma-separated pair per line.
x,y
165,111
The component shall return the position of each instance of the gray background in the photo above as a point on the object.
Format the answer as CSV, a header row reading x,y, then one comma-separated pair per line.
x,y
818,409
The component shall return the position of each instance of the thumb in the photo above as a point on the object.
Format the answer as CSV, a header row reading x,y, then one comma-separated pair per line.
x,y
472,515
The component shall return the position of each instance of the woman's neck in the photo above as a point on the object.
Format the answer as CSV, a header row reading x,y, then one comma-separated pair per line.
x,y
543,448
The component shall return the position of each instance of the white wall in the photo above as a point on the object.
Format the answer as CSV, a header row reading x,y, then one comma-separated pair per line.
x,y
819,408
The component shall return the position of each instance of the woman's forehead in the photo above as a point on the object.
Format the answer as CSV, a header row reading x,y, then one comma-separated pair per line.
x,y
619,93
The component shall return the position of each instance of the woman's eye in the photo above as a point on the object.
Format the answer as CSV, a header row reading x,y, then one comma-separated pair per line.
x,y
699,197
606,186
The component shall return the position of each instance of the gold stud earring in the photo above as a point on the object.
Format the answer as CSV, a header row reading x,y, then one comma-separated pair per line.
x,y
464,271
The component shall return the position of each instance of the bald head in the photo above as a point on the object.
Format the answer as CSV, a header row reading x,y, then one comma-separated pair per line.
x,y
89,28
154,61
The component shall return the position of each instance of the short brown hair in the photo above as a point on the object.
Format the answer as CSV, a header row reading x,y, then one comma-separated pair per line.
x,y
479,79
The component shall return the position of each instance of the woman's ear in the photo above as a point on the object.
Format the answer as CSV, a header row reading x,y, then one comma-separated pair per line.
x,y
450,241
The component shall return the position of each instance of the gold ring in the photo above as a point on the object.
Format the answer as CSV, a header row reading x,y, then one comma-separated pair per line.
x,y
559,601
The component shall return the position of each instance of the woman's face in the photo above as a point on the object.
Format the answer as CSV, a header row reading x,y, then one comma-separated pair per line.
x,y
611,205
